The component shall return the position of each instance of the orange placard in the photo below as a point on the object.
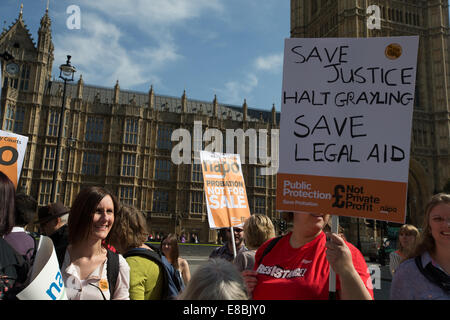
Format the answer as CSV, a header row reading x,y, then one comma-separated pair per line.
x,y
352,197
225,192
8,158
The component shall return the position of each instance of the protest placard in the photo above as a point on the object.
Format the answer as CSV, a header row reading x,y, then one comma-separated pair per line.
x,y
46,280
345,126
12,153
225,192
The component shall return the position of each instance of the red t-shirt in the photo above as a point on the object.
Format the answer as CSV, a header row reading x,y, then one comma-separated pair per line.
x,y
287,273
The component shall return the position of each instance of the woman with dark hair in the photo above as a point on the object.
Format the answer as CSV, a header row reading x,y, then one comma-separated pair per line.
x,y
169,247
426,275
85,261
12,273
7,204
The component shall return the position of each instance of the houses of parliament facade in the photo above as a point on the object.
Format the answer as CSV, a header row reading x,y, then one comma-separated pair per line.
x,y
121,139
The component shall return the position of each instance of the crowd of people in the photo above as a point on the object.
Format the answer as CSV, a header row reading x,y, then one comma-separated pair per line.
x,y
103,253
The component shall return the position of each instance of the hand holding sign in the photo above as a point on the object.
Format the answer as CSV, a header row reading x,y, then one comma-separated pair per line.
x,y
339,255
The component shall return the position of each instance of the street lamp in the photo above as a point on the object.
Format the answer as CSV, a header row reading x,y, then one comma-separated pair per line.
x,y
67,72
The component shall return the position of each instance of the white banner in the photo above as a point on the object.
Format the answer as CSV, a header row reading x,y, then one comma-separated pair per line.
x,y
345,129
46,279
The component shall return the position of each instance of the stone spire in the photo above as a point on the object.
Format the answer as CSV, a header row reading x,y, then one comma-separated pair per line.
x,y
116,93
274,115
215,106
184,101
80,86
46,22
151,98
245,109
45,44
21,12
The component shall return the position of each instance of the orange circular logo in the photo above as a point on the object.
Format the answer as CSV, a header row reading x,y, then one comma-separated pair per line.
x,y
393,51
103,284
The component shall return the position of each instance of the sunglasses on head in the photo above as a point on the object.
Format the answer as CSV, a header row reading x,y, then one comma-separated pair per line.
x,y
235,230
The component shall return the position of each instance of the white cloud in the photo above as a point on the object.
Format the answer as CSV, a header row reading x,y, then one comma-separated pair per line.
x,y
99,55
154,17
234,92
272,63
129,41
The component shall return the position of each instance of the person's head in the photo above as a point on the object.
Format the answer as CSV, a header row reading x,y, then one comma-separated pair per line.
x,y
407,237
218,279
92,215
309,224
7,204
238,236
169,247
26,208
51,226
52,217
436,225
129,229
258,228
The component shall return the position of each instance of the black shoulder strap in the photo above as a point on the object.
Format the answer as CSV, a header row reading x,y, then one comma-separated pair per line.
x,y
112,271
33,250
269,247
152,255
434,275
155,257
60,253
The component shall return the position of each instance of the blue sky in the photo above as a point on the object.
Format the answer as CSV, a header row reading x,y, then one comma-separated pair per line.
x,y
231,48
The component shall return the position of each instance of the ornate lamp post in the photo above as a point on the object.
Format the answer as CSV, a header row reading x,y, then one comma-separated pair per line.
x,y
67,72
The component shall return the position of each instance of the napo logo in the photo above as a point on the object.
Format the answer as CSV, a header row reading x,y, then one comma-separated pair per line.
x,y
393,51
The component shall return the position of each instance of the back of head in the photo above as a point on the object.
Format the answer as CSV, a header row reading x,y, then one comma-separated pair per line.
x,y
7,204
258,228
129,229
218,279
26,207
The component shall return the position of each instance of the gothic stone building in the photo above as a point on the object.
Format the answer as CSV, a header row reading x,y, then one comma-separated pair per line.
x,y
430,147
120,139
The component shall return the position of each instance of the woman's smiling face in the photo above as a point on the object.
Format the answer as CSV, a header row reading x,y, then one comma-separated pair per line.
x,y
440,224
103,218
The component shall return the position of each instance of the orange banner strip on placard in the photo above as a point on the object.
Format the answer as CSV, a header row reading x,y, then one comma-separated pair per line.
x,y
364,198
